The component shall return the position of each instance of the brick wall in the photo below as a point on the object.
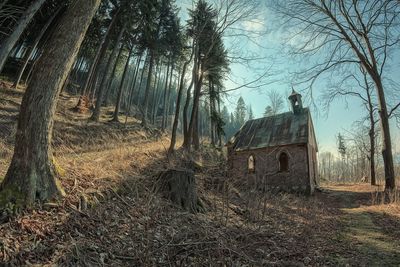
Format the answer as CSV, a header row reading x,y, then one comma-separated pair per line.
x,y
267,175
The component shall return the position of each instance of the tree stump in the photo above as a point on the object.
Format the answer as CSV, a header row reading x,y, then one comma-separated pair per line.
x,y
179,186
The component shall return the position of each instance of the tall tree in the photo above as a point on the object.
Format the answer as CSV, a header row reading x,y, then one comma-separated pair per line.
x,y
101,51
108,75
202,26
32,175
250,113
179,99
362,89
121,86
240,112
349,33
342,150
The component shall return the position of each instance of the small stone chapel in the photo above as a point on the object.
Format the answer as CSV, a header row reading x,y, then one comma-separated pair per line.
x,y
277,153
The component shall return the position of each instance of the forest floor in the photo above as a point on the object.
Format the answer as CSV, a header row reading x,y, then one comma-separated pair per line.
x,y
113,216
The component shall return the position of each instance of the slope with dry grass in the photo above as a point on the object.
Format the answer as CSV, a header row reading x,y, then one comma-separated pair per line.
x,y
112,214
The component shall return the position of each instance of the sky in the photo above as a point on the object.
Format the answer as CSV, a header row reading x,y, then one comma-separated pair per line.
x,y
269,45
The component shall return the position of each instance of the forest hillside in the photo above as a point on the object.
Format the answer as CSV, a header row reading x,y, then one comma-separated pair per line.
x,y
189,133
113,214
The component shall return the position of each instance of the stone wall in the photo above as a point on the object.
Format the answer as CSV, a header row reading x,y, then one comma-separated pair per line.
x,y
267,175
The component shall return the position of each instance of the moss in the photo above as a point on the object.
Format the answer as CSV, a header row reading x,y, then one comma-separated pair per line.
x,y
58,169
60,188
11,200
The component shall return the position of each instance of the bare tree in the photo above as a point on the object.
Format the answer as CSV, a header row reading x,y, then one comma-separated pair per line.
x,y
348,33
275,103
363,90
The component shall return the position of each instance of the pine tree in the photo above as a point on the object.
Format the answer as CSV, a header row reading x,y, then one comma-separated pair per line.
x,y
250,112
240,112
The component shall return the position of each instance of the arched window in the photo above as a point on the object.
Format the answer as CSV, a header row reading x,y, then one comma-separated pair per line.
x,y
251,164
283,162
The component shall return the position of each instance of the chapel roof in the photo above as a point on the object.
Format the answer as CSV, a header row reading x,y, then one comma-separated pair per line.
x,y
277,130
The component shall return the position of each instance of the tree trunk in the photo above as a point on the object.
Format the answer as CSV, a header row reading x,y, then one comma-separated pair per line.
x,y
35,58
179,186
178,107
109,85
186,141
107,77
219,112
32,175
159,96
146,93
34,46
101,51
165,98
187,134
121,87
195,130
166,123
212,110
193,124
141,82
8,44
371,135
78,71
132,89
386,142
155,93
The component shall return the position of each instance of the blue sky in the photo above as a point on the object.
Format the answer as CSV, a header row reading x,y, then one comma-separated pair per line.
x,y
269,44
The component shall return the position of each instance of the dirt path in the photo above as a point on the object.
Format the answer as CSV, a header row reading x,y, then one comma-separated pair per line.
x,y
365,228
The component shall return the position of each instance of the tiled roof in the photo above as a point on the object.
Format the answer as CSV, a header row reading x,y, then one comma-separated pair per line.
x,y
282,129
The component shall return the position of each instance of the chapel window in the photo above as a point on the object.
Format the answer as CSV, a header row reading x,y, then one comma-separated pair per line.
x,y
251,164
283,162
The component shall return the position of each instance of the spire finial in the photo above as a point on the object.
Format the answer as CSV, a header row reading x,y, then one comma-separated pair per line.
x,y
295,99
293,91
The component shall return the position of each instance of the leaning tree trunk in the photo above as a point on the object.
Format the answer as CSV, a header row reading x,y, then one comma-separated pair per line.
x,y
32,175
169,99
132,89
147,92
165,97
107,77
8,44
109,86
121,87
178,106
34,46
140,83
100,53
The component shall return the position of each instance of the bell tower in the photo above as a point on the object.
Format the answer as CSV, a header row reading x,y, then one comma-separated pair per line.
x,y
295,100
